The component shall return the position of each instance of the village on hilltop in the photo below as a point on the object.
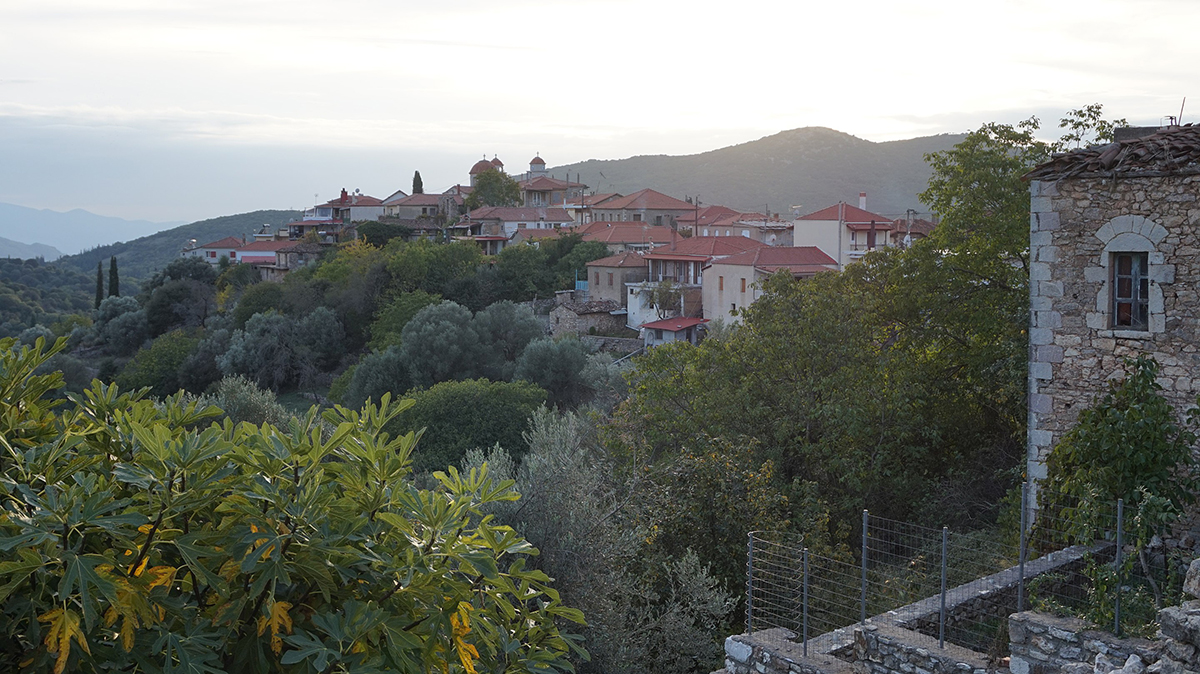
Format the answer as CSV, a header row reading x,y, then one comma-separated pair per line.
x,y
710,257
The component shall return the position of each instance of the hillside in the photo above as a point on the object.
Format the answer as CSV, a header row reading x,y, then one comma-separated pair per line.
x,y
813,167
143,256
27,251
70,231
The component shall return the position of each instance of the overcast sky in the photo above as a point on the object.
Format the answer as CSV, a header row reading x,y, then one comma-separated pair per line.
x,y
173,110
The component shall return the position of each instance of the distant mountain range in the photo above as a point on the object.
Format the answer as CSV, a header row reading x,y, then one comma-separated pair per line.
x,y
70,231
812,167
143,256
27,251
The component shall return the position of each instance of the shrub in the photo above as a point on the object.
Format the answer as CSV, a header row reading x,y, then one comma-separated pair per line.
x,y
377,374
158,366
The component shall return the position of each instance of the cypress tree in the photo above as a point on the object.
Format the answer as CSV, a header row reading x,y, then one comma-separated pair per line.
x,y
99,283
114,281
418,185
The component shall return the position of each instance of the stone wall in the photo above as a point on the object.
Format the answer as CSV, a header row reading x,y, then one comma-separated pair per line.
x,y
1040,643
1075,226
883,649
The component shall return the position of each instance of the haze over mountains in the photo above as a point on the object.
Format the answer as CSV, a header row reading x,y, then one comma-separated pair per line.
x,y
70,231
812,167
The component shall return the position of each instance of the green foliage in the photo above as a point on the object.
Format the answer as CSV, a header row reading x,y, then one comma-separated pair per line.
x,y
439,344
525,273
505,329
1128,445
463,415
125,333
33,292
258,298
182,269
380,233
183,302
337,388
158,366
238,277
428,266
391,319
666,297
493,188
277,351
114,278
1087,126
99,283
137,538
572,264
375,375
556,365
240,400
418,186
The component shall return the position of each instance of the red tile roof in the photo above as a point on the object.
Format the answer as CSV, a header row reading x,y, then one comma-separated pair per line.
x,y
626,232
648,199
353,200
855,217
227,242
798,260
265,246
546,184
481,166
535,234
709,246
517,213
674,324
1171,150
621,260
418,200
537,160
710,214
920,227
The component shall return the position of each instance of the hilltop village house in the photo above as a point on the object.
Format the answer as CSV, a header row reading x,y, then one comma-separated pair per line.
x,y
1115,263
734,282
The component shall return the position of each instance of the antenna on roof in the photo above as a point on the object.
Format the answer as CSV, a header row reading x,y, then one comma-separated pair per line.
x,y
1180,120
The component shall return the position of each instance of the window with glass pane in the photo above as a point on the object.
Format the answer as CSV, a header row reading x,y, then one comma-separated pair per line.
x,y
1131,291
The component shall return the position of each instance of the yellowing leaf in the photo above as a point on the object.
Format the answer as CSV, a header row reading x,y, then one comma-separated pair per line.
x,y
460,622
161,575
145,528
141,567
63,627
276,620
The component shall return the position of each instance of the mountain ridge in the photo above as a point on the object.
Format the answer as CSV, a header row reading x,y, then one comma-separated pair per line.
x,y
70,231
812,167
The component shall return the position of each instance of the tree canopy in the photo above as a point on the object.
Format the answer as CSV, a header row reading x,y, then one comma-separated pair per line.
x,y
493,188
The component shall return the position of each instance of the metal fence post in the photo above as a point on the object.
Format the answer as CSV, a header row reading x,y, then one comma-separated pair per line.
x,y
942,614
804,627
863,599
1021,553
750,584
1120,544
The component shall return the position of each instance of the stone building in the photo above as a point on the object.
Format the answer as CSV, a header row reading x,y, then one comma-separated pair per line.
x,y
1114,265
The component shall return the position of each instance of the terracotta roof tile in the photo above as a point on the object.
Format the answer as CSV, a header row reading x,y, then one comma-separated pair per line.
x,y
674,324
622,260
852,214
517,213
626,232
227,242
648,199
709,246
1171,150
799,260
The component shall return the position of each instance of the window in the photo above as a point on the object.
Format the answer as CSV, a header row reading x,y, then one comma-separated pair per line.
x,y
212,253
733,307
1131,291
705,231
597,278
658,219
746,233
521,225
610,279
637,217
743,285
720,283
658,334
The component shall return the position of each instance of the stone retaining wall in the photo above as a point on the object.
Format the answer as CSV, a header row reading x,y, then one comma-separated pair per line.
x,y
1041,643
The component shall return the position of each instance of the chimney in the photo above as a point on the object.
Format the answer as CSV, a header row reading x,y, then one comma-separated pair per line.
x,y
862,200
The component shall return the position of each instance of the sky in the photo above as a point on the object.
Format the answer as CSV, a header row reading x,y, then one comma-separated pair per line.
x,y
181,110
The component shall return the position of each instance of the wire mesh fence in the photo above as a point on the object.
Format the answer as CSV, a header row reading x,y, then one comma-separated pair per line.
x,y
1070,555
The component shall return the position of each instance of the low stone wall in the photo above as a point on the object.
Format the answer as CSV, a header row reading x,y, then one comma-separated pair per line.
x,y
1041,643
884,649
893,642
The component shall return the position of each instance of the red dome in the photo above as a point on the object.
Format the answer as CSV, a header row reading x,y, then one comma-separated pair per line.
x,y
496,162
481,166
537,160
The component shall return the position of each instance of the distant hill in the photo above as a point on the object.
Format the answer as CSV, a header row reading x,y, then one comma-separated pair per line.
x,y
813,167
70,231
141,257
27,251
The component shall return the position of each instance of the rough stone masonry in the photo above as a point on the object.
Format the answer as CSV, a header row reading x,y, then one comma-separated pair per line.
x,y
1139,197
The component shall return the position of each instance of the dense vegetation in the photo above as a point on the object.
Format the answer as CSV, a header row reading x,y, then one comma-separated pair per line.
x,y
896,385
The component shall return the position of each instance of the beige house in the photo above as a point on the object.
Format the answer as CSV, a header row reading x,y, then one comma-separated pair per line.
x,y
681,263
607,276
413,207
1113,243
621,237
732,283
844,232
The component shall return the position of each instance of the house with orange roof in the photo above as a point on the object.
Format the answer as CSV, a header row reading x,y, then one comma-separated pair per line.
x,y
413,207
680,264
734,282
349,207
645,205
608,277
214,251
627,236
676,329
844,232
581,208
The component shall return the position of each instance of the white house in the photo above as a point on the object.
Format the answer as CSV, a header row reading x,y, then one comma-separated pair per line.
x,y
844,232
